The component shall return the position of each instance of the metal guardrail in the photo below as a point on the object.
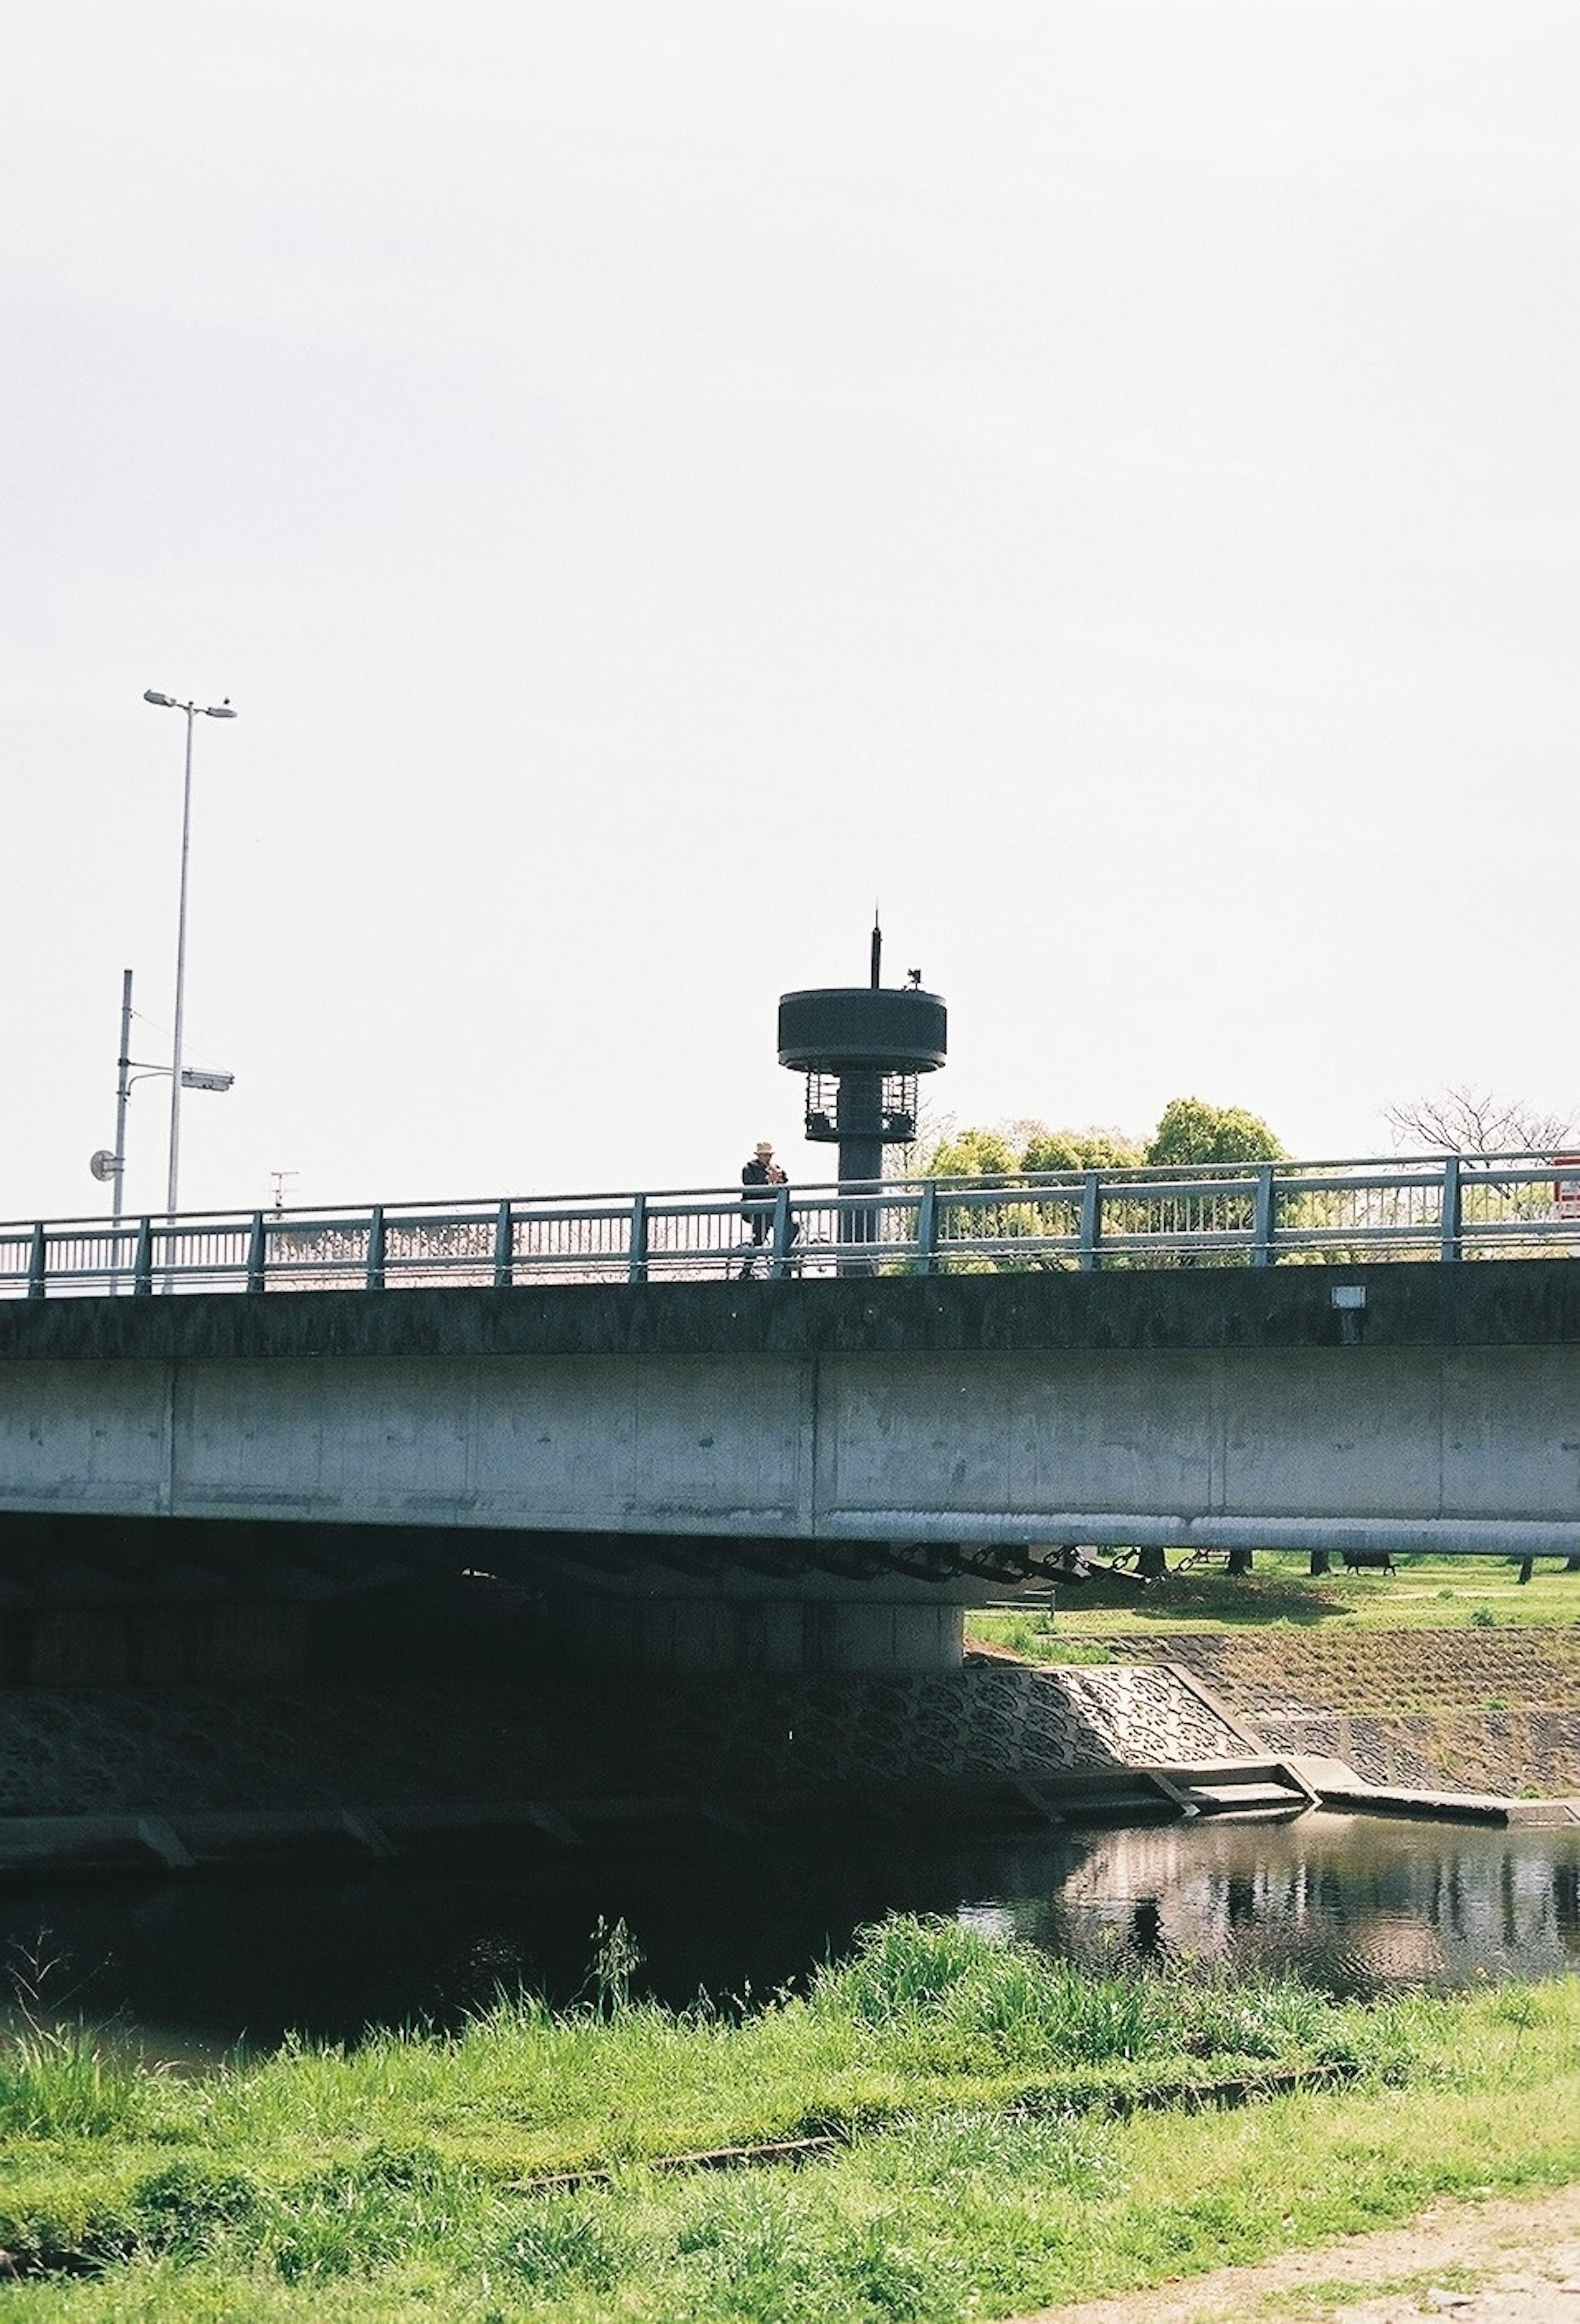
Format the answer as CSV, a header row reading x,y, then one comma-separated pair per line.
x,y
1441,1207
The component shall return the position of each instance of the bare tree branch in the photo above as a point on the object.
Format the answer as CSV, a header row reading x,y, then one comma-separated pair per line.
x,y
1468,1120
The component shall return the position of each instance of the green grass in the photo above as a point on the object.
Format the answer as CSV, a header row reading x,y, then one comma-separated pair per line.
x,y
56,2082
1036,1636
1425,1593
1012,2135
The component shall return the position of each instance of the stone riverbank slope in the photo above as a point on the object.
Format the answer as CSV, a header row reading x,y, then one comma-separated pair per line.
x,y
1458,1710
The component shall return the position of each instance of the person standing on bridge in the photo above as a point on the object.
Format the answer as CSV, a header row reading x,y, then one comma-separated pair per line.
x,y
760,1181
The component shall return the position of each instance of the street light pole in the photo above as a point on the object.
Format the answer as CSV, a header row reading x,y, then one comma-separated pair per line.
x,y
191,710
123,1091
109,1165
175,1070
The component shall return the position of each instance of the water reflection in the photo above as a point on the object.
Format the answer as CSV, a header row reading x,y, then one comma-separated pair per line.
x,y
1357,1904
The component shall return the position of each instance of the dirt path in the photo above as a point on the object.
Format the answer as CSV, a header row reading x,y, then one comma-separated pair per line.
x,y
1493,2263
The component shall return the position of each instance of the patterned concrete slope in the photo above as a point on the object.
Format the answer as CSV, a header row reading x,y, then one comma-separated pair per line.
x,y
67,1751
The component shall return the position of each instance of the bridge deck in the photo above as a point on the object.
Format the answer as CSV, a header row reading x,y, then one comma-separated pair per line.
x,y
1506,1303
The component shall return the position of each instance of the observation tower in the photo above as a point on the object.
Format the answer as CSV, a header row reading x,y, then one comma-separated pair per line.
x,y
862,1048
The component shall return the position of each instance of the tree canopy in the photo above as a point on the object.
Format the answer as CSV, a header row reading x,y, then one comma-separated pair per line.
x,y
1080,1150
974,1154
1193,1131
1190,1131
1011,1151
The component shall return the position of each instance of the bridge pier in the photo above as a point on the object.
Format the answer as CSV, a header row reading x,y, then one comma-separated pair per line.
x,y
785,1636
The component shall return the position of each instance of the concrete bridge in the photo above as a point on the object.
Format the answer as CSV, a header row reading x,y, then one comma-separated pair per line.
x,y
786,1474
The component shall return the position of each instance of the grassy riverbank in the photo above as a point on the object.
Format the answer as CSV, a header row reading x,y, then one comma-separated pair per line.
x,y
996,2132
1450,1674
1424,1593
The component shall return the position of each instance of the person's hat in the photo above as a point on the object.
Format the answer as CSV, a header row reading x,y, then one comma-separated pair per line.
x,y
765,1146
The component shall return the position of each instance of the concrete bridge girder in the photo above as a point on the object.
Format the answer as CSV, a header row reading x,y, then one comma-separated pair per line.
x,y
1462,1449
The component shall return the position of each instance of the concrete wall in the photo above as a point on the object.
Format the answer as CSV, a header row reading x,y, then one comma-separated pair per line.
x,y
1225,1407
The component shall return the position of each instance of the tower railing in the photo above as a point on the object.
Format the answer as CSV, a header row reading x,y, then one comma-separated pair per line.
x,y
1444,1207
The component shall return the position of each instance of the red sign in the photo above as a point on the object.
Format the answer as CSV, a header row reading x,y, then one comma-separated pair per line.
x,y
1566,1191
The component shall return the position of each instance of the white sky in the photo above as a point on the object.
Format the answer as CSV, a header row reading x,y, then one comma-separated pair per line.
x,y
654,474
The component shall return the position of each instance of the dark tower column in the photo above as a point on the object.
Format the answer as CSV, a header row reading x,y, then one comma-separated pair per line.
x,y
859,1119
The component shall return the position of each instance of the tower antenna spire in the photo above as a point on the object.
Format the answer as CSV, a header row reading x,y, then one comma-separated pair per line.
x,y
877,950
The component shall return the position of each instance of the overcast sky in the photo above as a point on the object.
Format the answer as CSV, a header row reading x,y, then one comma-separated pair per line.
x,y
1097,475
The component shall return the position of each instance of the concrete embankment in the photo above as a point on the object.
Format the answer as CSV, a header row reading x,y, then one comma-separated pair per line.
x,y
1492,1712
121,1778
117,1778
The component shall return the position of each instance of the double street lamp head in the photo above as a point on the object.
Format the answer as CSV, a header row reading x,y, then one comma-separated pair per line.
x,y
168,702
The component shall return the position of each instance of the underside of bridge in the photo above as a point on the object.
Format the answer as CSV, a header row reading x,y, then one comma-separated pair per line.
x,y
177,1693
114,1600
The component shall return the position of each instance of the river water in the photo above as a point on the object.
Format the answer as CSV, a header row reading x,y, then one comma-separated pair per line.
x,y
1356,1904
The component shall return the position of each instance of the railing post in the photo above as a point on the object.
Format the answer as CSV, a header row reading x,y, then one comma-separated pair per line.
x,y
1262,1232
142,1261
503,1248
1091,1220
927,1228
1451,1207
375,1249
36,1262
257,1253
636,1271
779,1249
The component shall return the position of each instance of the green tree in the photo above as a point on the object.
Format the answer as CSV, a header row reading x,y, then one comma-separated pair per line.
x,y
1195,1136
1192,1131
1191,1134
1004,1158
989,1155
1080,1150
973,1154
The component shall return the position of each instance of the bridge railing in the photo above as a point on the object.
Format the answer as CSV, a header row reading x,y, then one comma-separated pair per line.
x,y
1444,1207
